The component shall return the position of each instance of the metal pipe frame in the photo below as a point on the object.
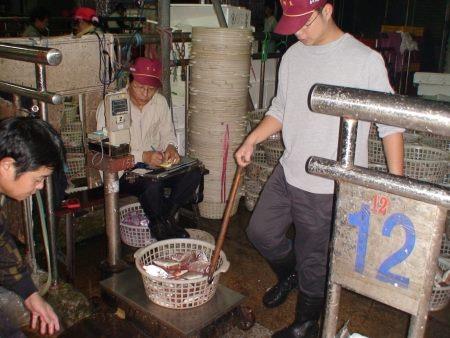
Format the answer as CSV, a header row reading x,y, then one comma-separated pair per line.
x,y
111,181
45,96
406,187
166,45
42,86
348,140
390,109
219,13
35,54
153,37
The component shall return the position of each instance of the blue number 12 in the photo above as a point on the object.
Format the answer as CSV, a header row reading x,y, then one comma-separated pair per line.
x,y
361,220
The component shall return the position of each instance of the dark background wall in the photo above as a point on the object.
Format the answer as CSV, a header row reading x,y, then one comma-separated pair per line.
x,y
359,17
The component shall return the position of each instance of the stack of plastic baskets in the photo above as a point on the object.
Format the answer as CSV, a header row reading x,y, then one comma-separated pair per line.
x,y
178,294
440,296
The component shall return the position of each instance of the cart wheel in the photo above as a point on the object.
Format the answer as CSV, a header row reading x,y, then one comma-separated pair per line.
x,y
246,318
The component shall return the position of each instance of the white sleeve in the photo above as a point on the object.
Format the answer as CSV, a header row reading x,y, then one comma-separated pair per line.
x,y
278,105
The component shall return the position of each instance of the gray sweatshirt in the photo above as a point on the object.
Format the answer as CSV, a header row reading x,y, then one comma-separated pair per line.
x,y
343,62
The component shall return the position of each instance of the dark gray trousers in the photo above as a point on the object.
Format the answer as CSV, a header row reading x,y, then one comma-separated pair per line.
x,y
280,205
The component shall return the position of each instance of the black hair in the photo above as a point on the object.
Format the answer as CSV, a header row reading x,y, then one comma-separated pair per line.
x,y
32,143
38,13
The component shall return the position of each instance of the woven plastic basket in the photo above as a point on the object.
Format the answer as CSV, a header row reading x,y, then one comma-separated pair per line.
x,y
70,113
250,200
252,185
274,150
136,236
378,167
445,246
266,171
255,116
440,295
435,141
178,294
425,163
140,236
76,164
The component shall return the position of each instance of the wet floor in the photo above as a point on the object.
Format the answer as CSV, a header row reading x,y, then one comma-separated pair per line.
x,y
250,275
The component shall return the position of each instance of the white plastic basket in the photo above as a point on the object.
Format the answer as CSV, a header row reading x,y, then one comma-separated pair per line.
x,y
445,246
136,236
250,200
140,236
440,295
76,165
178,294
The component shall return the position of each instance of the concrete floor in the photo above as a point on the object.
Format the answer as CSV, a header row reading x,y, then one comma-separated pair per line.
x,y
250,275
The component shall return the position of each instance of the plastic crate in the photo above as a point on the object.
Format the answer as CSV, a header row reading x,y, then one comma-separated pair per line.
x,y
76,164
274,150
440,295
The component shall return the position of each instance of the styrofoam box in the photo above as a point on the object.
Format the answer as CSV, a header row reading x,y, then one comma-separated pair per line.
x,y
186,16
77,73
270,72
178,117
181,138
431,84
269,93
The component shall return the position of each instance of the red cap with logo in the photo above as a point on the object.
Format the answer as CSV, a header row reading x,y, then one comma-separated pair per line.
x,y
147,72
85,14
295,14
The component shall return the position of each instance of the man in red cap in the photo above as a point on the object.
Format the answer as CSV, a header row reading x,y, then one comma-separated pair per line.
x,y
324,54
85,21
154,143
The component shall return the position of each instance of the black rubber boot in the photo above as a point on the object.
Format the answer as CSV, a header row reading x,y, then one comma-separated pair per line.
x,y
307,315
287,281
159,229
175,230
171,221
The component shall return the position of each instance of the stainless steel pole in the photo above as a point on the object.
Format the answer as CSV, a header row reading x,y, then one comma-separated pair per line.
x,y
34,54
164,26
395,110
42,86
31,93
111,183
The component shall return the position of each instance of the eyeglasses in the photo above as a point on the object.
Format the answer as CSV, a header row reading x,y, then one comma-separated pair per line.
x,y
308,24
142,89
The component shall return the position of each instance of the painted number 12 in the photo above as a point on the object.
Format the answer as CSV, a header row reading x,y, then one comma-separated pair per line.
x,y
361,221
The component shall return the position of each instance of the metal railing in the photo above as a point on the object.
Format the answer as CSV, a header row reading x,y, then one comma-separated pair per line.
x,y
41,57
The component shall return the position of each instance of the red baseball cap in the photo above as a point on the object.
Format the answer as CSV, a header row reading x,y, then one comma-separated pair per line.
x,y
85,14
295,14
147,72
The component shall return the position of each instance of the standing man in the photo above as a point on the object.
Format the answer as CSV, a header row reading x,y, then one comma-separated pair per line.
x,y
30,150
153,142
324,54
85,21
38,26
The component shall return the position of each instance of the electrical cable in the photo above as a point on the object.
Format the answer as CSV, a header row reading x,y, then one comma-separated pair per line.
x,y
44,290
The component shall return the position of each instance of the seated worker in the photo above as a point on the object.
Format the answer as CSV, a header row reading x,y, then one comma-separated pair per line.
x,y
85,21
38,23
30,150
153,142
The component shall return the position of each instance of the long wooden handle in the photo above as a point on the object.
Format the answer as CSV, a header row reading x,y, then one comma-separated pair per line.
x,y
225,222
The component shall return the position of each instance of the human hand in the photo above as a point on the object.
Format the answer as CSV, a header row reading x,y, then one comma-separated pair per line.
x,y
42,311
244,154
171,155
153,158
